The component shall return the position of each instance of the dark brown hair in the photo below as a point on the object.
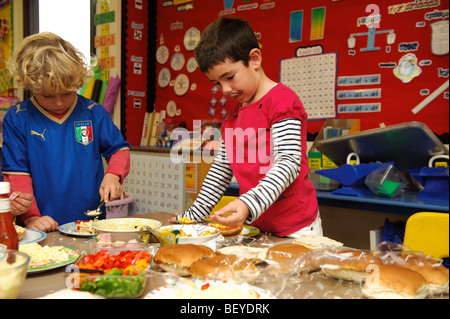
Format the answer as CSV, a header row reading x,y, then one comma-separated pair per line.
x,y
231,38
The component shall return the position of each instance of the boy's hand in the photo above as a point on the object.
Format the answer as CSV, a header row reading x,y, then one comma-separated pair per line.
x,y
20,203
173,219
233,214
110,188
42,223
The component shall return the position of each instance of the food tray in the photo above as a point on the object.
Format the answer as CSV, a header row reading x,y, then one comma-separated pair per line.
x,y
122,282
115,242
396,143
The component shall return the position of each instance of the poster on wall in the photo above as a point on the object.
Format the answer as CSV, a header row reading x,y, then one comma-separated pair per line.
x,y
390,58
7,91
6,47
313,78
136,84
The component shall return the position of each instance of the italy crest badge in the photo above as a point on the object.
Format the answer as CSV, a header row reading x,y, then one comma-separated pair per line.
x,y
83,132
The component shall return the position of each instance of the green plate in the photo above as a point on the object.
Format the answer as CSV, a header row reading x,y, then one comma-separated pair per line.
x,y
250,231
246,231
73,255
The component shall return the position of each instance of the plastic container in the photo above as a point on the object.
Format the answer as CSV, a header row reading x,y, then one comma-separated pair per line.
x,y
386,181
115,286
322,182
433,178
13,271
122,282
118,208
115,242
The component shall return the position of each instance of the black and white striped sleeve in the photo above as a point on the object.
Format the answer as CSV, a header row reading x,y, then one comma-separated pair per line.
x,y
285,169
214,186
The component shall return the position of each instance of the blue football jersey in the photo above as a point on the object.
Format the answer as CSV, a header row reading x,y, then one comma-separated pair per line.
x,y
63,156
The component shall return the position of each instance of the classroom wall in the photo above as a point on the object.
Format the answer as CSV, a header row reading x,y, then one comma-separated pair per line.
x,y
367,81
349,226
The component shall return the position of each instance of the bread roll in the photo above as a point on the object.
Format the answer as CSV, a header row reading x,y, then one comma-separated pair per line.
x,y
314,242
244,252
177,258
225,267
394,282
434,273
227,230
289,259
20,231
351,265
285,252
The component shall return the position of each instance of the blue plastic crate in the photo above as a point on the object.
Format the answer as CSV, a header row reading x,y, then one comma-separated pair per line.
x,y
394,232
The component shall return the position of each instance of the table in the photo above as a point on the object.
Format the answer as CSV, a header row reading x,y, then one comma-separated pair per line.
x,y
314,285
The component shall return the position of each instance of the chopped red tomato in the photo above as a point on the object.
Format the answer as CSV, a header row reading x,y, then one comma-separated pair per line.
x,y
205,286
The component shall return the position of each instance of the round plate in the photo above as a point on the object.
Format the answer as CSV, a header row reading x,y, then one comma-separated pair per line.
x,y
181,85
32,236
73,255
201,289
104,225
249,231
71,229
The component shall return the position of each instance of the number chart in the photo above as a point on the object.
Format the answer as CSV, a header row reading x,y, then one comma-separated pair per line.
x,y
313,78
155,183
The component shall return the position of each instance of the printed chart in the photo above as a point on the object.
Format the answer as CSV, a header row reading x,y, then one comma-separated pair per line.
x,y
313,78
155,183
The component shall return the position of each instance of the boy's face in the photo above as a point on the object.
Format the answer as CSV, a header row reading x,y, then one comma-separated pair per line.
x,y
235,80
58,104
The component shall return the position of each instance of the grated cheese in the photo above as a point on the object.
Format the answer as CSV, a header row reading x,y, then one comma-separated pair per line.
x,y
44,255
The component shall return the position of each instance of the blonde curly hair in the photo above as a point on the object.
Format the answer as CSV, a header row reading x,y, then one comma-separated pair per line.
x,y
47,63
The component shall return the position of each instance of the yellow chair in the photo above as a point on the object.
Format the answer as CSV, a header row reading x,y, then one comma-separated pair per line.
x,y
428,233
223,202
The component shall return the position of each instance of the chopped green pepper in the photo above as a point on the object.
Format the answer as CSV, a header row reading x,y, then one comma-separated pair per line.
x,y
114,284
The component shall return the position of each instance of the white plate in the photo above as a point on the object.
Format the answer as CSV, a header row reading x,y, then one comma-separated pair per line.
x,y
71,229
103,226
208,289
32,236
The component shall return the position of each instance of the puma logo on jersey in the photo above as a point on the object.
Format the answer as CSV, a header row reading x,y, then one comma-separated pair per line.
x,y
19,109
39,134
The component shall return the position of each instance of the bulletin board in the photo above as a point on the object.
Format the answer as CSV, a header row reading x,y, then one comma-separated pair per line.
x,y
6,46
391,62
138,86
7,91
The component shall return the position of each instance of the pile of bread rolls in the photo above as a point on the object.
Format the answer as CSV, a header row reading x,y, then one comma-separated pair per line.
x,y
402,275
409,276
406,276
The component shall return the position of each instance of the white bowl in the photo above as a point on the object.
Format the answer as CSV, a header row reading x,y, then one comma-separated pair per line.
x,y
124,225
194,230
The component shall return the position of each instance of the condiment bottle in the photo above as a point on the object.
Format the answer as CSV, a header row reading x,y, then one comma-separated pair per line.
x,y
8,233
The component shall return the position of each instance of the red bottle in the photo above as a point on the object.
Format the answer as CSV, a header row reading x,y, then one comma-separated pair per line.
x,y
8,233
